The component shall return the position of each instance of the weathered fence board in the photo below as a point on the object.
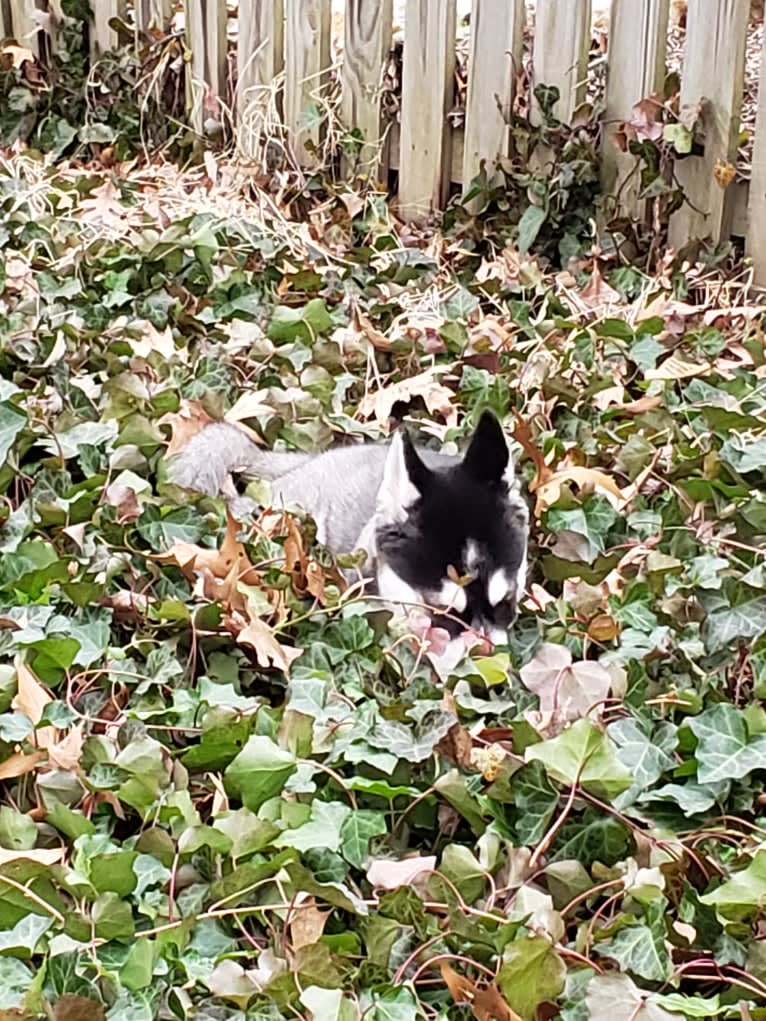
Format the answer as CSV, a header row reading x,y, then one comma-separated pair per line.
x,y
206,35
714,65
427,85
494,60
636,69
102,36
756,237
367,41
307,62
560,58
19,21
152,13
260,59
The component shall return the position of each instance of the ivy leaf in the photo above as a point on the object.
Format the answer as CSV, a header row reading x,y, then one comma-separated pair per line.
x,y
260,771
617,998
356,832
531,973
12,421
646,759
583,754
536,801
641,950
748,620
742,895
21,940
725,751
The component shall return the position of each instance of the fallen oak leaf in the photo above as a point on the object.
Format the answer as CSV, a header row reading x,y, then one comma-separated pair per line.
x,y
260,637
523,436
436,397
549,492
486,1001
190,418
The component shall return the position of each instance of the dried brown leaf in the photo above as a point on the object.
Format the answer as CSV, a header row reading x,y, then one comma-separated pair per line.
x,y
18,764
31,699
436,397
485,1001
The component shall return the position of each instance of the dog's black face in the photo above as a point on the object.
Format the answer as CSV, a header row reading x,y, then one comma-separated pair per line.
x,y
456,539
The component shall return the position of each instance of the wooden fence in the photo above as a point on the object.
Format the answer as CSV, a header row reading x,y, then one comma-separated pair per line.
x,y
284,54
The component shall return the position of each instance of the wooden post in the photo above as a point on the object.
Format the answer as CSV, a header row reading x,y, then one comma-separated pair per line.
x,y
714,64
307,62
260,59
756,220
152,14
427,90
367,42
638,34
102,37
494,59
562,41
206,39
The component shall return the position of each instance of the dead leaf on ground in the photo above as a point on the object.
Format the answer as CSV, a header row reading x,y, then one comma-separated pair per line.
x,y
675,367
66,753
220,571
31,699
363,325
586,478
190,418
456,746
78,1008
19,763
523,436
125,501
597,292
386,874
306,924
436,397
260,637
486,1001
569,690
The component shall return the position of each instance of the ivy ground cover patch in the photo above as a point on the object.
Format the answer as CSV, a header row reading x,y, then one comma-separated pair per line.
x,y
232,788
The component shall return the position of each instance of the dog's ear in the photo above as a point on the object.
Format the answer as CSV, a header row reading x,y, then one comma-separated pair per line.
x,y
405,478
488,457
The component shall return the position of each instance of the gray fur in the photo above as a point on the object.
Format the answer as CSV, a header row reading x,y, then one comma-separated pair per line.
x,y
423,518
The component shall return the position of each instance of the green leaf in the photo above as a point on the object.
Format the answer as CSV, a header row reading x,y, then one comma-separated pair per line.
x,y
531,973
357,831
530,225
724,749
536,801
12,421
744,894
583,754
260,771
322,830
641,950
748,620
22,939
306,323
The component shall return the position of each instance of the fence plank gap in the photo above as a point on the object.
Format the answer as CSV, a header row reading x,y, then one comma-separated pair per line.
x,y
714,66
427,89
206,39
560,57
102,37
260,60
494,59
638,36
367,42
307,62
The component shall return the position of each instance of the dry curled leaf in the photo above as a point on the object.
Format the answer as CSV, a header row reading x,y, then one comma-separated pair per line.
x,y
485,1000
437,398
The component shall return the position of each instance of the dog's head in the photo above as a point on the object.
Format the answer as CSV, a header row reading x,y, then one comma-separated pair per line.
x,y
454,538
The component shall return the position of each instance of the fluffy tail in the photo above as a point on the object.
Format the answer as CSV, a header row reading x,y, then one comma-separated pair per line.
x,y
219,450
